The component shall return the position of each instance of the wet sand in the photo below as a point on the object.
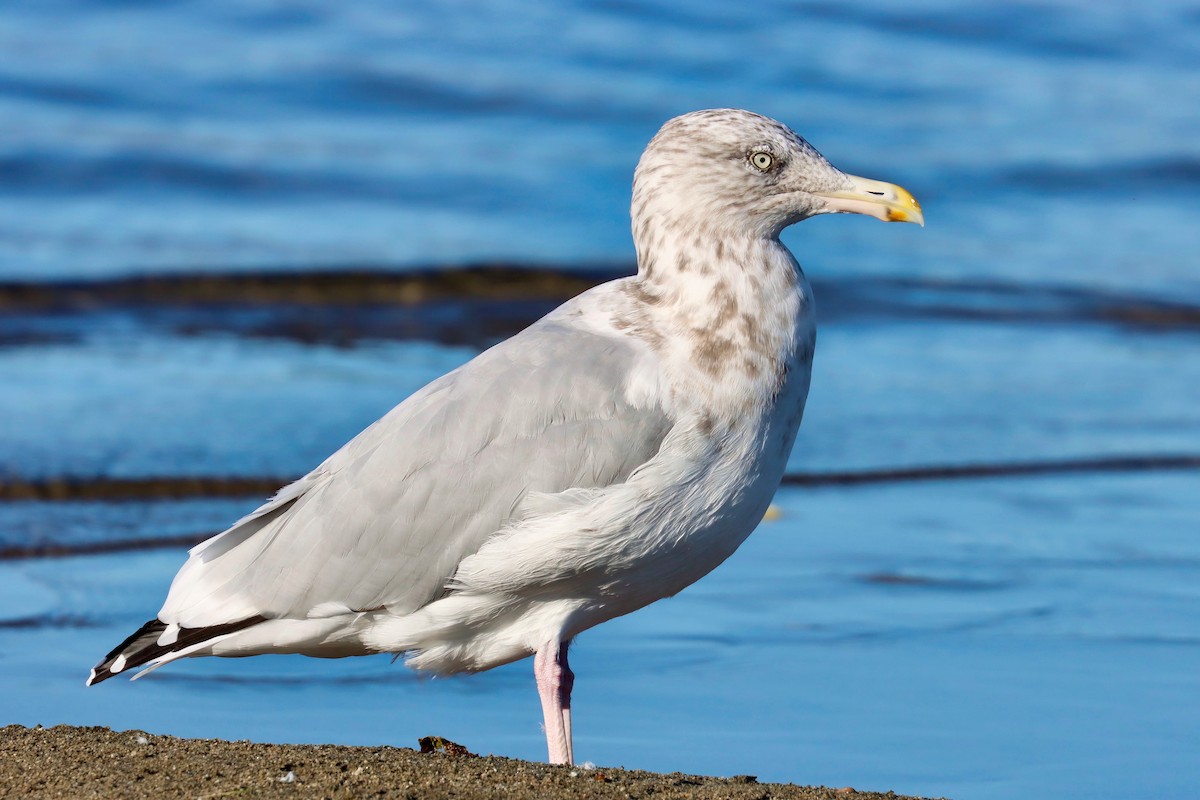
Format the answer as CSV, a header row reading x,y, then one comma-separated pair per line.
x,y
69,762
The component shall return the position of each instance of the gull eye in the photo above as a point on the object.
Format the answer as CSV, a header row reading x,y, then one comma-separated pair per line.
x,y
762,161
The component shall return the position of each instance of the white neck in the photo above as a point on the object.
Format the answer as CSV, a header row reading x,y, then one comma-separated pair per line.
x,y
740,309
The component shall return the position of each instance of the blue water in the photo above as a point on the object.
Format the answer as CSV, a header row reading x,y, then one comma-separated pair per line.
x,y
979,639
1051,142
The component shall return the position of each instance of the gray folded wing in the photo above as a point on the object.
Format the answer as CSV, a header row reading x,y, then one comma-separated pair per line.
x,y
385,521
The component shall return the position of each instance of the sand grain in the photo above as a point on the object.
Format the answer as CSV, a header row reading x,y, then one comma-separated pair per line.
x,y
69,762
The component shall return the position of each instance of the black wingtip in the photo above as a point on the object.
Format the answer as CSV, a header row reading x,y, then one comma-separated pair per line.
x,y
142,646
127,652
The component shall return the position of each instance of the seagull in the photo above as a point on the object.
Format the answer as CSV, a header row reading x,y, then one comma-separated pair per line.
x,y
606,457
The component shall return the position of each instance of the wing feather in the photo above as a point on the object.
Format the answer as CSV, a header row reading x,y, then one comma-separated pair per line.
x,y
385,521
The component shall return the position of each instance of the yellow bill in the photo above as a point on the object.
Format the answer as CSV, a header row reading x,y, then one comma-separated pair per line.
x,y
885,201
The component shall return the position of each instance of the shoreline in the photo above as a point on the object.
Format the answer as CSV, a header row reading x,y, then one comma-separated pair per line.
x,y
69,762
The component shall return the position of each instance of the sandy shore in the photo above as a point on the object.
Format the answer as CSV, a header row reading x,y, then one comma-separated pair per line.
x,y
67,762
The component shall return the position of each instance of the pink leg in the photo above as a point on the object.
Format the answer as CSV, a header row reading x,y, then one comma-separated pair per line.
x,y
554,682
568,683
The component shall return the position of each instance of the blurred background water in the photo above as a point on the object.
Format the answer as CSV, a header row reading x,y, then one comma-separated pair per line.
x,y
983,638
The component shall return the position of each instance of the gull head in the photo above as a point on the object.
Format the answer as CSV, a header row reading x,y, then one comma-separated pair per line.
x,y
734,173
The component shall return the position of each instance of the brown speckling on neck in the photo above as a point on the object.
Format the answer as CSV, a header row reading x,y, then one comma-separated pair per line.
x,y
751,327
723,302
753,366
638,324
712,353
642,292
